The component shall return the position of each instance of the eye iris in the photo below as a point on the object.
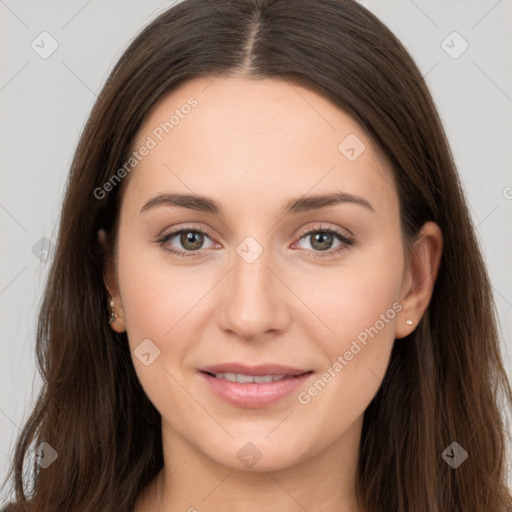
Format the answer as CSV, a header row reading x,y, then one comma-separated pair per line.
x,y
325,240
195,238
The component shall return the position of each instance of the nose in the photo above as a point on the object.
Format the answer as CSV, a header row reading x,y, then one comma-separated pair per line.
x,y
254,301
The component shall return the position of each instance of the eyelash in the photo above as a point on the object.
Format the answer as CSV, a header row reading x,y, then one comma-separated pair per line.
x,y
344,239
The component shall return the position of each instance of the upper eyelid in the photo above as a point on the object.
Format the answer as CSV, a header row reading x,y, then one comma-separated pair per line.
x,y
306,231
313,229
174,232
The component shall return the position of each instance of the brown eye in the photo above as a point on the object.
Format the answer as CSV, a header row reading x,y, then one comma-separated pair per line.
x,y
191,240
321,240
326,242
185,242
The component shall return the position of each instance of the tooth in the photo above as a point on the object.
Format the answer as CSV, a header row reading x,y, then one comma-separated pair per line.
x,y
263,378
244,378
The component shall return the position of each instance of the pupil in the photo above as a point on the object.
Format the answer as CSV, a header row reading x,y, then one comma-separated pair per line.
x,y
191,240
325,240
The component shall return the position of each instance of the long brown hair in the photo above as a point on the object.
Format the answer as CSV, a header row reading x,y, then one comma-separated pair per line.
x,y
445,382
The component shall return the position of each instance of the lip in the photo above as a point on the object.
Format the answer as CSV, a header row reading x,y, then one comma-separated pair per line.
x,y
253,395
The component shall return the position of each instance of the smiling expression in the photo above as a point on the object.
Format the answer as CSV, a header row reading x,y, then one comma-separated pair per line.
x,y
250,234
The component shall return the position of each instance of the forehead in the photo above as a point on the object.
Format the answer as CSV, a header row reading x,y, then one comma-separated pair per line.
x,y
253,139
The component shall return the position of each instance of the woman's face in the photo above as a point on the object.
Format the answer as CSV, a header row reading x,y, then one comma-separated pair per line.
x,y
279,278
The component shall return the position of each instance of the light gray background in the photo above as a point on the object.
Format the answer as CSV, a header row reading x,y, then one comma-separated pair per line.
x,y
45,103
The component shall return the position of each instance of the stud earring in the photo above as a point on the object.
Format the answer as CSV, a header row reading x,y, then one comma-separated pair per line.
x,y
408,322
113,314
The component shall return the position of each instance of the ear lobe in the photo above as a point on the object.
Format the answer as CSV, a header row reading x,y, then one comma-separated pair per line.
x,y
109,280
425,260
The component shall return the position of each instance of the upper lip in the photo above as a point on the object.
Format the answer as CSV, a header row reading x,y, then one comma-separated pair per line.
x,y
258,370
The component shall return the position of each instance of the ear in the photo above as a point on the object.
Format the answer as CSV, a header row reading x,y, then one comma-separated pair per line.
x,y
109,278
420,277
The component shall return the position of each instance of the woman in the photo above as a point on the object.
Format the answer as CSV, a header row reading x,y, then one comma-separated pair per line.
x,y
267,291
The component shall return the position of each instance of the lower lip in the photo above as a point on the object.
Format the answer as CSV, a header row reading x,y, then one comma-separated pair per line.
x,y
252,395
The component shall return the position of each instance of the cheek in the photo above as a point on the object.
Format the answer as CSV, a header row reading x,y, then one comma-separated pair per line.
x,y
158,299
362,313
160,305
352,298
358,305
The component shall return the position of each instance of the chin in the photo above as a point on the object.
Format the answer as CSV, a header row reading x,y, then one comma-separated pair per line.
x,y
259,454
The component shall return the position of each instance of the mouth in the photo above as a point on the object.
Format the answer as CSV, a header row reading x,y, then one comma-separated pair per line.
x,y
256,379
253,387
261,370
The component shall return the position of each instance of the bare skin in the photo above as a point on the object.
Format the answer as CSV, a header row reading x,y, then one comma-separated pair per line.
x,y
253,145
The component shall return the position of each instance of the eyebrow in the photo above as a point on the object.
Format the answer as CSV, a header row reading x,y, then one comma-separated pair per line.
x,y
296,205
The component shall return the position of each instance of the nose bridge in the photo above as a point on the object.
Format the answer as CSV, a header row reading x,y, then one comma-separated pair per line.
x,y
253,301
